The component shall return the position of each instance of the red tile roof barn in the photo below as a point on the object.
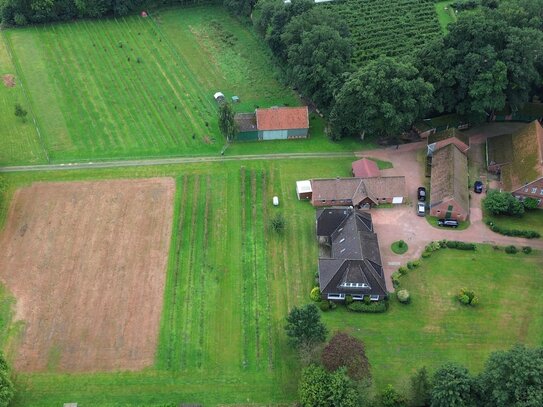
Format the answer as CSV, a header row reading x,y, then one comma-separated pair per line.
x,y
365,168
282,118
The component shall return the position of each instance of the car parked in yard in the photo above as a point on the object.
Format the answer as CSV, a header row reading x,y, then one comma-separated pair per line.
x,y
451,223
421,209
421,194
478,187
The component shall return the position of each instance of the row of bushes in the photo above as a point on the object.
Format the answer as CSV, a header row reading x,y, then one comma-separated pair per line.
x,y
513,249
528,234
372,307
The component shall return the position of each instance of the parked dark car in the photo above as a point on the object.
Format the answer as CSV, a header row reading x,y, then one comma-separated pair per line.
x,y
421,209
451,223
421,194
478,187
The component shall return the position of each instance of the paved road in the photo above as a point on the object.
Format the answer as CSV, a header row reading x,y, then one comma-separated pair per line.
x,y
174,160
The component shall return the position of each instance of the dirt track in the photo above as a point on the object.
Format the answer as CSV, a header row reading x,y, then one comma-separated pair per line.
x,y
86,262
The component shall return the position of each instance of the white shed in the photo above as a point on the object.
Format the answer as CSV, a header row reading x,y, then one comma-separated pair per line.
x,y
219,96
275,201
303,189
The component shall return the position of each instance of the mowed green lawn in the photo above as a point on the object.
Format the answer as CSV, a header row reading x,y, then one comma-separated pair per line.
x,y
231,281
140,87
435,328
531,220
19,141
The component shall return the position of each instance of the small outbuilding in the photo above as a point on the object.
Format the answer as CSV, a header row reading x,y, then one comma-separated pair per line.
x,y
235,99
365,168
276,123
246,123
275,201
219,97
303,189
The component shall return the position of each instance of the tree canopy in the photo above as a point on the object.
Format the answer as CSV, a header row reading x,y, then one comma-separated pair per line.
x,y
344,350
304,326
453,387
384,97
502,203
489,56
227,124
513,378
7,390
318,388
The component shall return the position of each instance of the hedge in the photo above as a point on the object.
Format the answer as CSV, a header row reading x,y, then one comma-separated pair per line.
x,y
453,244
373,307
528,234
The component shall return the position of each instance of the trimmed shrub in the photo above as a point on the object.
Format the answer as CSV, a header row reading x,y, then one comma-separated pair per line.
x,y
432,247
401,244
402,270
526,249
348,299
367,300
403,296
467,297
395,277
415,263
373,307
324,305
315,294
511,249
426,254
453,244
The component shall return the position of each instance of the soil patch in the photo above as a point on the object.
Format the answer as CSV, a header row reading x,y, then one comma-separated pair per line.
x,y
86,262
9,80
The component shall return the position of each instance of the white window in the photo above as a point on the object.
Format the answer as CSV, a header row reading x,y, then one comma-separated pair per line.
x,y
541,191
374,297
336,296
357,297
534,190
525,189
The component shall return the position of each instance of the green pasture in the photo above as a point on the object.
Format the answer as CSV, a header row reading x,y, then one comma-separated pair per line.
x,y
436,328
138,87
231,281
19,140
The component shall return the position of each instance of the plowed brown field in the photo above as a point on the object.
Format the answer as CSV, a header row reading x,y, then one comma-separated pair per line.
x,y
86,262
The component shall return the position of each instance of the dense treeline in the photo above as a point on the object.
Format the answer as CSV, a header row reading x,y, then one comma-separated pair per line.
x,y
22,12
491,56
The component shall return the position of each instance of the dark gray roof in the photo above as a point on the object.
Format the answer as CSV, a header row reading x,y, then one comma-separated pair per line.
x,y
354,266
245,121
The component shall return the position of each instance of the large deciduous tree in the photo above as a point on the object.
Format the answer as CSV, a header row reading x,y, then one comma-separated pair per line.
x,y
344,350
489,56
513,378
304,326
453,387
502,203
317,63
384,97
318,388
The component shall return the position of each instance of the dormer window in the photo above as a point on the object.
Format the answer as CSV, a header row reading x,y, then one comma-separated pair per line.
x,y
355,285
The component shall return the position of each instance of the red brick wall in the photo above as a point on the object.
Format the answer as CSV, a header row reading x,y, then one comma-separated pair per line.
x,y
457,212
532,190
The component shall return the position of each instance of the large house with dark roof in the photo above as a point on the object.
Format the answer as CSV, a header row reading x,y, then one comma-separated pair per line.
x,y
350,261
276,123
449,194
518,160
358,192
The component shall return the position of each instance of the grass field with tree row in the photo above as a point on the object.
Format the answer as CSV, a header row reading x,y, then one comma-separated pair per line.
x,y
231,281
